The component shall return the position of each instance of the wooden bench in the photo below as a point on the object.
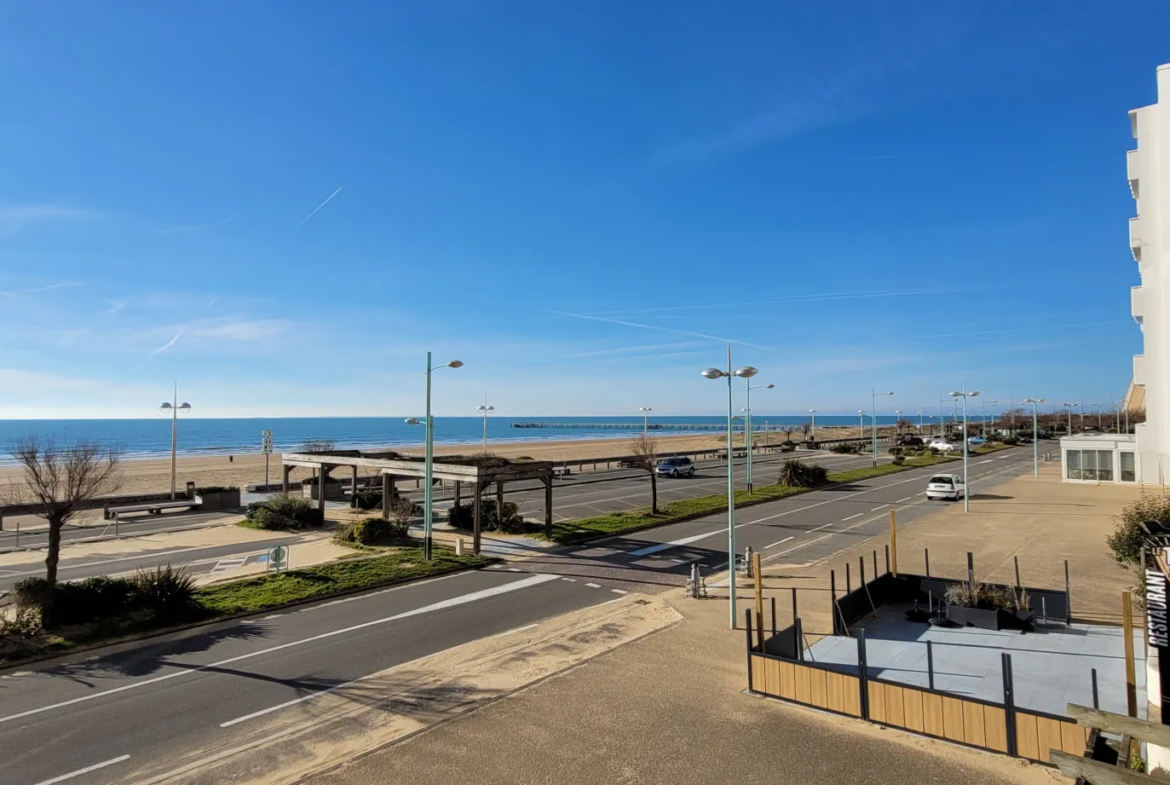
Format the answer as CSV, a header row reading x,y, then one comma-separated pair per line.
x,y
154,508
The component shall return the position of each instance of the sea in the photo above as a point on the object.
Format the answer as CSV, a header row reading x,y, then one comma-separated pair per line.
x,y
238,436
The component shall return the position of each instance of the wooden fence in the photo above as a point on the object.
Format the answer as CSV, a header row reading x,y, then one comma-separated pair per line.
x,y
997,727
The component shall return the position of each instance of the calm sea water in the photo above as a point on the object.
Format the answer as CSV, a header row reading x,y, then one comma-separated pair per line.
x,y
209,436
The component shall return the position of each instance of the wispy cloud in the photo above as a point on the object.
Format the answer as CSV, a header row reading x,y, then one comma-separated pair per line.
x,y
166,346
1032,329
197,227
211,302
41,289
254,331
16,217
318,207
792,298
625,323
664,347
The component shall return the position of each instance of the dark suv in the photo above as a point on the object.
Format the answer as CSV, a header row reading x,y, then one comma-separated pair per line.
x,y
675,467
911,441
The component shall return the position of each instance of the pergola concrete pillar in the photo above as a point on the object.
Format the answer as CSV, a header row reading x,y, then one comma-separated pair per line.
x,y
477,519
458,489
286,471
499,500
548,508
353,488
321,490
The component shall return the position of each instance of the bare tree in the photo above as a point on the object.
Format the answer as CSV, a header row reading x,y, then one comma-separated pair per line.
x,y
60,480
788,430
645,457
401,513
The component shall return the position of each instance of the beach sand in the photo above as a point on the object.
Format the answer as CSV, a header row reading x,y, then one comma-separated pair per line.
x,y
153,475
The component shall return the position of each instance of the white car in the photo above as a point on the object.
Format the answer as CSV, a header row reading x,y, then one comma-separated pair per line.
x,y
942,445
946,486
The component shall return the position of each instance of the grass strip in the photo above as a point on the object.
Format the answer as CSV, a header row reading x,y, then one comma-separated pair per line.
x,y
570,532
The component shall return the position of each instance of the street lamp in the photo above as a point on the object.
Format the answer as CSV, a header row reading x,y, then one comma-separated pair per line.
x,y
485,408
861,419
898,421
1098,416
919,413
873,419
747,439
429,460
812,429
966,482
645,410
175,409
1070,408
746,372
993,405
1035,437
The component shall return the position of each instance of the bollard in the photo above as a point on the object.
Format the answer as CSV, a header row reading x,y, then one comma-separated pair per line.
x,y
459,546
747,562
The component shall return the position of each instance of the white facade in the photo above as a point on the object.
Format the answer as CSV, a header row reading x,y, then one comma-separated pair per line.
x,y
1148,170
1100,457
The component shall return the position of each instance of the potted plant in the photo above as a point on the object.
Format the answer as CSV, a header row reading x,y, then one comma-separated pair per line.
x,y
988,607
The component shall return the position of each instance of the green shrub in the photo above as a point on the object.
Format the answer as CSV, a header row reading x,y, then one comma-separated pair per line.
x,y
217,489
899,460
367,500
26,623
797,474
283,513
1010,441
463,517
1125,543
343,534
77,602
846,448
31,592
167,593
374,531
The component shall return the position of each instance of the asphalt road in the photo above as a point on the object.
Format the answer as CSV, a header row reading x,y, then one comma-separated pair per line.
x,y
136,709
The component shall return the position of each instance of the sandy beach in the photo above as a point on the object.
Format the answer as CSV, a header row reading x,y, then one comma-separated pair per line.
x,y
153,475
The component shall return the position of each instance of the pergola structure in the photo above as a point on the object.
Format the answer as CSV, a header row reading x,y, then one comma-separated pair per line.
x,y
478,472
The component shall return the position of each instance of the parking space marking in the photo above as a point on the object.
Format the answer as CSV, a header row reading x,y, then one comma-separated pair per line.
x,y
781,542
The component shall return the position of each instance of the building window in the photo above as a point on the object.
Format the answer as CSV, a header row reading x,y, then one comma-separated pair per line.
x,y
1105,465
1088,464
1128,467
1072,464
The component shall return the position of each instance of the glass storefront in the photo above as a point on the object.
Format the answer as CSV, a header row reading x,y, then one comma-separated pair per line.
x,y
1094,465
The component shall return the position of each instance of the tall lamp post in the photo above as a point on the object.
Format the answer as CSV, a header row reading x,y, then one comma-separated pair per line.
x,y
1035,437
873,419
645,410
993,405
429,460
812,430
747,439
966,482
1070,408
898,421
175,409
1098,415
919,413
746,372
861,419
486,409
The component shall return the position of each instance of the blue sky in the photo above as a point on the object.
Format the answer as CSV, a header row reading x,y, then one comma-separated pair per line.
x,y
583,201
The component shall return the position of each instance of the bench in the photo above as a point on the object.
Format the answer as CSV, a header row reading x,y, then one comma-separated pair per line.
x,y
154,508
561,471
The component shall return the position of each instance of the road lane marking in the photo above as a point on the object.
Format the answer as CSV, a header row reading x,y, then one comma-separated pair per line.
x,y
570,580
509,632
86,770
781,542
525,583
880,506
822,526
619,591
851,517
908,498
664,545
593,585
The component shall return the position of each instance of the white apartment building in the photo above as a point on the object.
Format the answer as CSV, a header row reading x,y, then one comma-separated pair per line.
x,y
1148,169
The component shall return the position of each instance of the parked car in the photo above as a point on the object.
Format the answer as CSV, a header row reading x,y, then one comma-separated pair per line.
x,y
628,463
675,467
911,441
942,445
976,440
946,486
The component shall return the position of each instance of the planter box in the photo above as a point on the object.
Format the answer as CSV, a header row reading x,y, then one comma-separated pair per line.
x,y
219,500
989,618
332,491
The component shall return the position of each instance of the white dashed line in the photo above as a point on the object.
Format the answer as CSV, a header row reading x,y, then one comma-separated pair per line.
x,y
570,580
851,517
879,507
824,526
518,629
908,498
593,585
781,542
619,591
86,770
515,569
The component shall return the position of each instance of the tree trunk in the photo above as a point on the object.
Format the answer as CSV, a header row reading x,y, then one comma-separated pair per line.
x,y
54,553
653,493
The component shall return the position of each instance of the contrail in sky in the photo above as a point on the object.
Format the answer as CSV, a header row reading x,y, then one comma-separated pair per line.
x,y
310,215
166,345
655,327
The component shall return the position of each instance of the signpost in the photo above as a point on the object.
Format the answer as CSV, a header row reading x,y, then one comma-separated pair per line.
x,y
1158,627
277,558
266,448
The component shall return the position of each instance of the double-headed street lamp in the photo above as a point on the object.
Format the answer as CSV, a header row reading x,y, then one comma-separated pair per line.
x,y
966,480
746,372
898,421
873,419
812,428
429,460
175,409
861,420
645,410
1035,436
486,409
747,439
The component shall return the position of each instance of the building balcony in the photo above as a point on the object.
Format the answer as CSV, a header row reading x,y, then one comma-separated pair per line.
x,y
1133,164
1137,303
1135,238
1139,369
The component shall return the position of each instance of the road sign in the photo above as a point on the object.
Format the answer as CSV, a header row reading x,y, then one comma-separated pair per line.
x,y
277,558
266,442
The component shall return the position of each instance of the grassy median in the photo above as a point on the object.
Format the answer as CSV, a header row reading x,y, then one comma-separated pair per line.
x,y
569,532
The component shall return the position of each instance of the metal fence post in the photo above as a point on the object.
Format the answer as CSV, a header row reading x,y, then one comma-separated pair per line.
x,y
1096,699
748,618
862,674
930,664
848,581
794,613
926,556
875,570
1009,704
1016,559
773,616
799,630
887,558
1068,596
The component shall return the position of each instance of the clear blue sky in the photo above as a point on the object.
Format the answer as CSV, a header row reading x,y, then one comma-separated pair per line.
x,y
580,200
